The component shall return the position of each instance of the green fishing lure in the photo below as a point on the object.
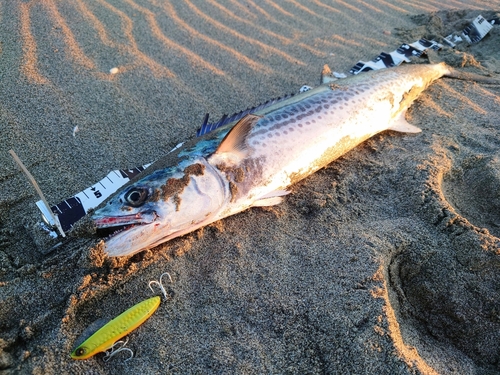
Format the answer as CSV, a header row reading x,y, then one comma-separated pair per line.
x,y
104,338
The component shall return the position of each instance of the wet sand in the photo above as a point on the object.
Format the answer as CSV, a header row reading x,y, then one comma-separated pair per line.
x,y
387,261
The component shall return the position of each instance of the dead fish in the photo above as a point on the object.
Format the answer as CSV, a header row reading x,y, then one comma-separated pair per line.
x,y
253,161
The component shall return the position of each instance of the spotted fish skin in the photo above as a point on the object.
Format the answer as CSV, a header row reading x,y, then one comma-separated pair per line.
x,y
252,162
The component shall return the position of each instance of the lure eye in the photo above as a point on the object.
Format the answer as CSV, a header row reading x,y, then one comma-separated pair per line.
x,y
136,196
80,351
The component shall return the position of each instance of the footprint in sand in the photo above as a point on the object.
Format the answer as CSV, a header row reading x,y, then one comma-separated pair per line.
x,y
473,190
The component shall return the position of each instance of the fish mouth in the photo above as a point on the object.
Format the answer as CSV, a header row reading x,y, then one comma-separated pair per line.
x,y
117,224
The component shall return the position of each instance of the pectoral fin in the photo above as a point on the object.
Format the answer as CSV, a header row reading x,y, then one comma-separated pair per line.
x,y
235,141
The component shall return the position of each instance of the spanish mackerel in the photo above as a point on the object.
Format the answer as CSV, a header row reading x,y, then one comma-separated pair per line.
x,y
252,162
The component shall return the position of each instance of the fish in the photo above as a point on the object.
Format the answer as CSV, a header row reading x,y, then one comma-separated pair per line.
x,y
252,161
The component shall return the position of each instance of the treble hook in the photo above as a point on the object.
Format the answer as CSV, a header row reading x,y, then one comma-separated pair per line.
x,y
160,285
112,351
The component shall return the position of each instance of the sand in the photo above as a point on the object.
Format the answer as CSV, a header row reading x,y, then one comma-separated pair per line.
x,y
387,261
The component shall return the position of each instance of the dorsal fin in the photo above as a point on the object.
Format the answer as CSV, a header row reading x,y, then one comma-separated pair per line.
x,y
235,141
326,75
207,127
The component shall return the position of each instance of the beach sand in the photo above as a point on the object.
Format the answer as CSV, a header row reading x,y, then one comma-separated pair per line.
x,y
387,261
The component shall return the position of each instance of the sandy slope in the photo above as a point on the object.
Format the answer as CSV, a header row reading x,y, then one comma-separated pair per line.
x,y
385,262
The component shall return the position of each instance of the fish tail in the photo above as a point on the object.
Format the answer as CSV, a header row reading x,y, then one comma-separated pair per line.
x,y
467,76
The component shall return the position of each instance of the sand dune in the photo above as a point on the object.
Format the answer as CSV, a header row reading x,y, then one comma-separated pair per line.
x,y
385,262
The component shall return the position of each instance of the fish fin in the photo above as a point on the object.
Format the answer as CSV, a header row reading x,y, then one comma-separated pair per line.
x,y
208,127
275,193
235,141
271,199
267,202
326,75
204,128
467,76
403,126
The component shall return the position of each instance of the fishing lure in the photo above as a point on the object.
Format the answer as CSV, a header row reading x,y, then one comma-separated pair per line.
x,y
104,338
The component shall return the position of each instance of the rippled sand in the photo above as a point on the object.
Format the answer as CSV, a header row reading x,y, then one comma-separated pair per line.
x,y
387,261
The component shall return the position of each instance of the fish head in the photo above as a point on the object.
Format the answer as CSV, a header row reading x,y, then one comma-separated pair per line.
x,y
164,204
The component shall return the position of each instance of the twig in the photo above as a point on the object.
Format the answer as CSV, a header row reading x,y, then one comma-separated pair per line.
x,y
38,190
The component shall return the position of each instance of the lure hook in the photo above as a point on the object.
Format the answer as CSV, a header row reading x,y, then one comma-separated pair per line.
x,y
112,351
160,284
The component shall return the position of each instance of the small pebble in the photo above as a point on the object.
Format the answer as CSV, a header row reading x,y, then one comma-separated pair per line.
x,y
113,70
6,360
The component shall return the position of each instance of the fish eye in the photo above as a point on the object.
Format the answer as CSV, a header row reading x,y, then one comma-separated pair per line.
x,y
80,351
136,196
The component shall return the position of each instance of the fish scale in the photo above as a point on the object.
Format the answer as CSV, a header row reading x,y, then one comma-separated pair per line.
x,y
254,160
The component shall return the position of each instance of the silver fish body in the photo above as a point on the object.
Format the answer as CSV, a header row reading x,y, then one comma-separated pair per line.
x,y
252,162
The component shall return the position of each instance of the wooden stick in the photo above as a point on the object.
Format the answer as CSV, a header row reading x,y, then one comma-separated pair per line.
x,y
38,190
